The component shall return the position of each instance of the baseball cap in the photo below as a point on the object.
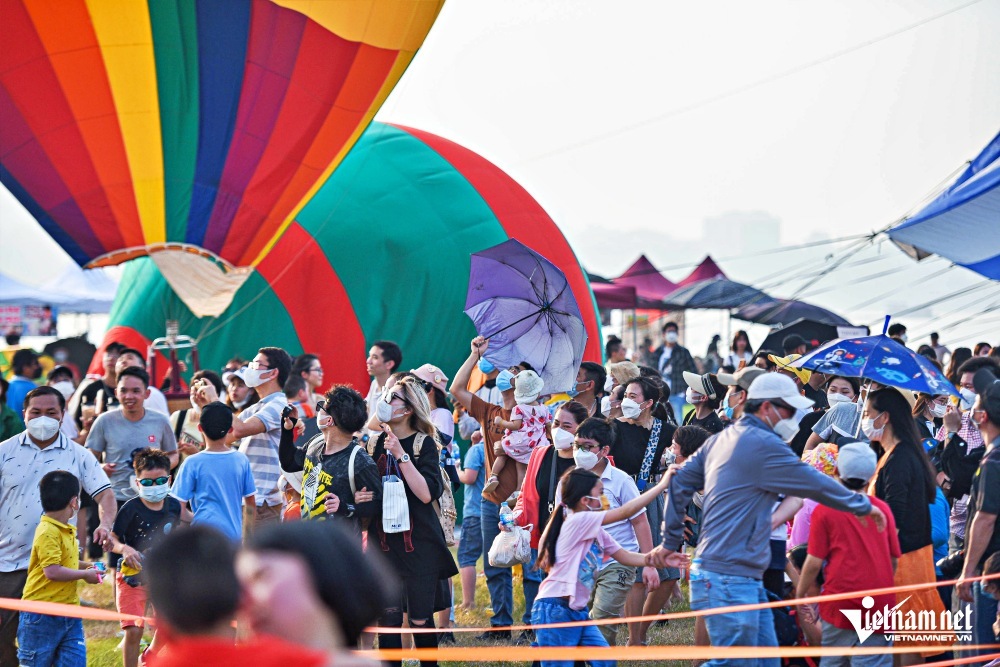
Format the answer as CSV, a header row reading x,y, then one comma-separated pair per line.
x,y
987,385
703,384
61,369
743,378
216,419
432,375
775,386
856,460
527,386
785,364
793,341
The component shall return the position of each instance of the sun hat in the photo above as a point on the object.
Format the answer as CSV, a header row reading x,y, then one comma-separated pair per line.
x,y
527,387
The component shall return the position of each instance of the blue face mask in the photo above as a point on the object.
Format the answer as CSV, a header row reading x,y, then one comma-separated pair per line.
x,y
503,380
485,366
574,392
729,412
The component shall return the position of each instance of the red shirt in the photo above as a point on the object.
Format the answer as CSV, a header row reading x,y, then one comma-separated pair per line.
x,y
215,652
857,556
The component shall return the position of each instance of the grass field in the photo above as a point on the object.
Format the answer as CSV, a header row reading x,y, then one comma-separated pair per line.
x,y
103,637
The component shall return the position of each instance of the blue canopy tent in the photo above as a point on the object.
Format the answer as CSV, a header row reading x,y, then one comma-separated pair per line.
x,y
963,222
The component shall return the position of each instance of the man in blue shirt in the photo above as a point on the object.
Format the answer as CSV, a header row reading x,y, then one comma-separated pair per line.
x,y
470,547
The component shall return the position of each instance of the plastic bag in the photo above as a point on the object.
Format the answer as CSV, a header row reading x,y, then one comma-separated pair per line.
x,y
511,547
395,510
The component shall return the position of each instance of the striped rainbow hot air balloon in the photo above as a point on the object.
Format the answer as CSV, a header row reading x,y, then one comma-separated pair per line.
x,y
190,131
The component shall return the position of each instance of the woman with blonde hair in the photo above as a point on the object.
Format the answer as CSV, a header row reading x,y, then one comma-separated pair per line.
x,y
419,556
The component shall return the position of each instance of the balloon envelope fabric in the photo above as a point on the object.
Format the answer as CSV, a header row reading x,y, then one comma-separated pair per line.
x,y
382,251
191,129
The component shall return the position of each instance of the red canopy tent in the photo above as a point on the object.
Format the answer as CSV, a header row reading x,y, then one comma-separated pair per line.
x,y
647,281
707,269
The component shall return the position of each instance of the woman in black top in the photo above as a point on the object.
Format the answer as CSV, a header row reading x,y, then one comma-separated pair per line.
x,y
419,555
704,404
904,479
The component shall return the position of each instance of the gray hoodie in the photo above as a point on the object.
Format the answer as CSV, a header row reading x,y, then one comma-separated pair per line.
x,y
743,470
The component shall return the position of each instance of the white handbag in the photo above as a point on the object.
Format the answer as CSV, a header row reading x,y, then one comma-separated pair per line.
x,y
395,510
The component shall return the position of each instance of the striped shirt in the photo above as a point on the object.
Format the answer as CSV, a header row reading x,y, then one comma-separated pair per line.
x,y
262,448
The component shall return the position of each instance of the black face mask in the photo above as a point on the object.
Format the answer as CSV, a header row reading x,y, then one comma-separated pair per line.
x,y
38,372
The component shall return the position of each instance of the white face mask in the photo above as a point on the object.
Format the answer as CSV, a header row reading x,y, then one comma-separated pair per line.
x,y
786,429
693,397
670,337
903,337
833,398
252,376
868,428
609,383
65,388
606,406
42,428
938,410
153,494
631,409
323,420
968,398
585,460
562,439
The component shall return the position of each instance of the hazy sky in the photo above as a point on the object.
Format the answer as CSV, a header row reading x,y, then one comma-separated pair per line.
x,y
633,123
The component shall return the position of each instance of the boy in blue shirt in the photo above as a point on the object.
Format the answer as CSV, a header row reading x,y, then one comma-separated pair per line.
x,y
218,480
470,546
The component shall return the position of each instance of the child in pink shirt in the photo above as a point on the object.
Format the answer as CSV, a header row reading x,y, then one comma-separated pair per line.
x,y
571,550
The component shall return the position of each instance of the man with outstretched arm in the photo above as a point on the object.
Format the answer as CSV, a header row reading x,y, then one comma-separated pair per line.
x,y
743,470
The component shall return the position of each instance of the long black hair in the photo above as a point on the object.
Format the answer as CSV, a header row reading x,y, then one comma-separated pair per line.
x,y
891,402
574,485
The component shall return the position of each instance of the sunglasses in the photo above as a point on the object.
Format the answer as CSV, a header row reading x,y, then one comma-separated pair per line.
x,y
159,481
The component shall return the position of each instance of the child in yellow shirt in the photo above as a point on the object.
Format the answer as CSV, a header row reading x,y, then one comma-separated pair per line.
x,y
53,570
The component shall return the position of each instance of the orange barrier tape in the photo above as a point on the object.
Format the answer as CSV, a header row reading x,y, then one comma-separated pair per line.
x,y
88,613
692,614
589,653
67,610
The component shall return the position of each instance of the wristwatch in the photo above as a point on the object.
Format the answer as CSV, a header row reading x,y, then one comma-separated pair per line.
x,y
405,458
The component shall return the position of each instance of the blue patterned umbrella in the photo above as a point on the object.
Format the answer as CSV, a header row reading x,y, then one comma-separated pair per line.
x,y
878,358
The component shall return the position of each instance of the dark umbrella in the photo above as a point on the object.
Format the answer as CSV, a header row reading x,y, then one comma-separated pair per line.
x,y
76,352
786,311
716,293
815,334
523,304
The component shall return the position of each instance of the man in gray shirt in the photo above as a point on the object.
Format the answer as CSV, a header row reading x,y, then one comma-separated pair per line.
x,y
743,470
117,433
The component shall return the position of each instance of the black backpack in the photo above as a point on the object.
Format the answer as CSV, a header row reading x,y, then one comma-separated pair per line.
x,y
786,628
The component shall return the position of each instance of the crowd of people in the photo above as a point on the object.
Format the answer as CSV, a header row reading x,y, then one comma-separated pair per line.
x,y
311,512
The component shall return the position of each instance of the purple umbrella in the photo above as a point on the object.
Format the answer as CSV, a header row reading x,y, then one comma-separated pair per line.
x,y
523,304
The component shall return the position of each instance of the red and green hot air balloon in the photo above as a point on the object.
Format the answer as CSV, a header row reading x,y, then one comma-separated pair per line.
x,y
190,132
382,250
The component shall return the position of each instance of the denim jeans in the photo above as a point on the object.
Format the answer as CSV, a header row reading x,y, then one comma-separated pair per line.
x,y
834,636
556,610
499,580
984,614
710,590
50,640
677,402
